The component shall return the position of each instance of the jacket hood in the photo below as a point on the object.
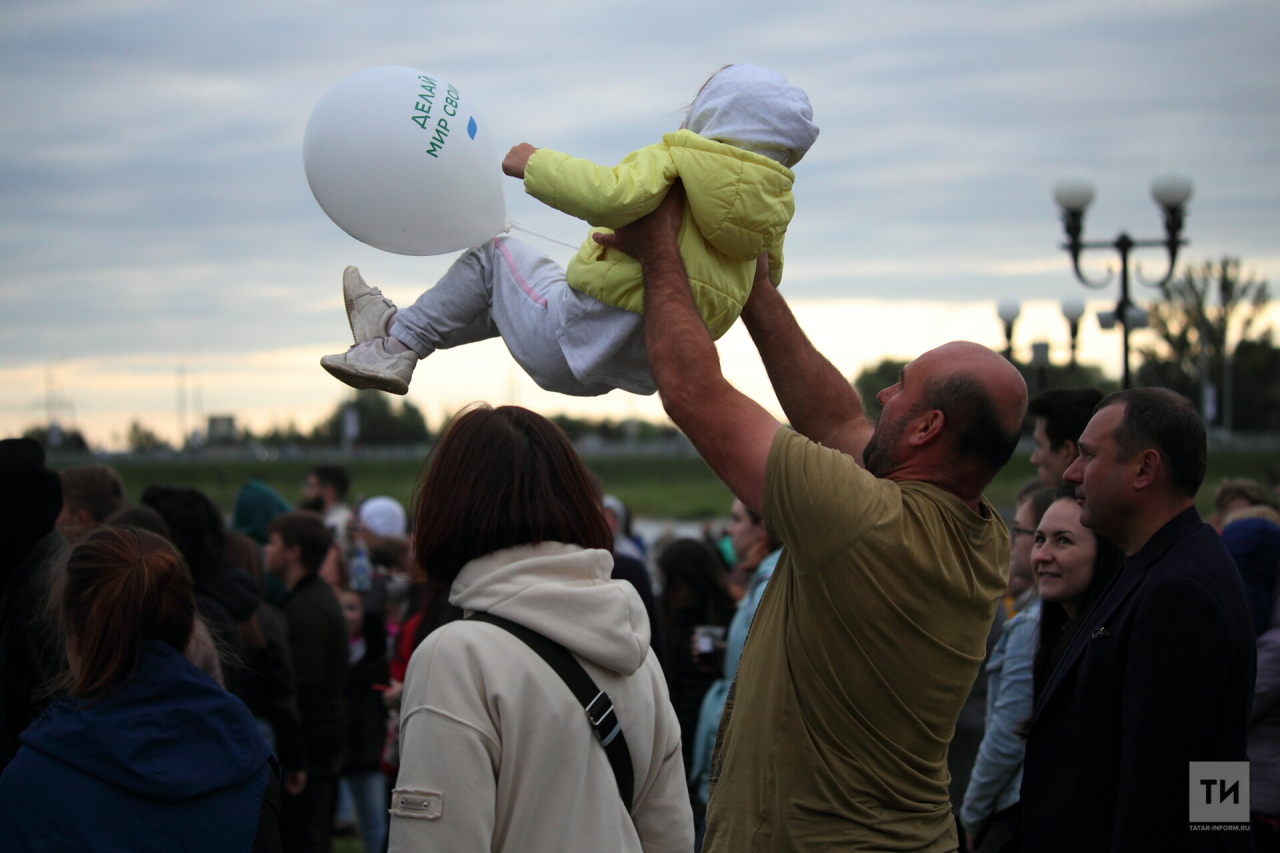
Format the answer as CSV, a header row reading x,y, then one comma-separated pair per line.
x,y
564,593
755,109
740,201
1254,544
256,505
169,734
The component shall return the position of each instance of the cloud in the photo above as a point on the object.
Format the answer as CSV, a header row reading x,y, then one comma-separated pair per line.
x,y
152,198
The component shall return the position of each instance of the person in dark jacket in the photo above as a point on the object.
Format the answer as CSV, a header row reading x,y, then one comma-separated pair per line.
x,y
263,674
226,595
1160,672
362,765
694,594
145,752
30,653
296,545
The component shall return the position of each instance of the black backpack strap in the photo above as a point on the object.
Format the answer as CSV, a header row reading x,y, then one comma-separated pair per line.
x,y
597,704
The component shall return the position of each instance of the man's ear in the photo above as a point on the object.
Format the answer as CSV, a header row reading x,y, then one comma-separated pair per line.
x,y
1145,468
1069,449
926,427
293,553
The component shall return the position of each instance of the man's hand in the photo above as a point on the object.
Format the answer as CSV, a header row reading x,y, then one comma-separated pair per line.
x,y
517,158
649,234
295,782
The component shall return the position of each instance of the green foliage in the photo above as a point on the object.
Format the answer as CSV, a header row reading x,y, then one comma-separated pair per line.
x,y
1203,316
380,423
873,380
631,429
1256,397
69,441
1042,378
141,439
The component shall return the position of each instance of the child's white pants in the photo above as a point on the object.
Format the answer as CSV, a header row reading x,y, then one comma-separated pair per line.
x,y
569,342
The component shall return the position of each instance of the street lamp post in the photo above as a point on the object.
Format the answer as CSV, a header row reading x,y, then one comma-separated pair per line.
x,y
1073,310
1008,311
1171,192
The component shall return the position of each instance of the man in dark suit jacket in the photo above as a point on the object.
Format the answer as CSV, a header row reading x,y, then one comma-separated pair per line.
x,y
1160,672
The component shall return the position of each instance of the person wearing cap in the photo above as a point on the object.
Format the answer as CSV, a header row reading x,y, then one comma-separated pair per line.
x,y
382,516
580,331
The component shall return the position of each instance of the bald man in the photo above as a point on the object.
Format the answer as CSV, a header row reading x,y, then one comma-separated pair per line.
x,y
870,635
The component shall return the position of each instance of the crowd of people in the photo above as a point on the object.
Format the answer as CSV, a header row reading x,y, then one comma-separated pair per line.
x,y
868,658
309,616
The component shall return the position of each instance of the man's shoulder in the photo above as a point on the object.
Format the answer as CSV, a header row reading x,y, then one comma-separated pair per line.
x,y
311,598
1199,556
794,455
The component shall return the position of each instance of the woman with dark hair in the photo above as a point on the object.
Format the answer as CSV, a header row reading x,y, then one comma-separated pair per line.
x,y
226,595
1073,567
145,752
496,752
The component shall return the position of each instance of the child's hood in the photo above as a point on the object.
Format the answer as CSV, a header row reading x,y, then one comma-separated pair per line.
x,y
757,110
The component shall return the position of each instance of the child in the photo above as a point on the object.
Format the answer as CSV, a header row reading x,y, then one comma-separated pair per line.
x,y
580,331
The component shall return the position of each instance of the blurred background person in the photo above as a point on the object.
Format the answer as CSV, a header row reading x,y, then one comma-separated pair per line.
x,y
628,560
755,555
141,517
695,596
90,493
367,716
750,544
296,546
989,814
261,672
31,654
325,492
1060,415
1254,543
1234,494
145,752
226,595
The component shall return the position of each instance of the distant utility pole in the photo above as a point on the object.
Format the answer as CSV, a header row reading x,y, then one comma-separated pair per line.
x,y
181,405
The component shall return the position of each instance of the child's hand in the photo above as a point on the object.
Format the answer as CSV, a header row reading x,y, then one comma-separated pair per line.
x,y
513,164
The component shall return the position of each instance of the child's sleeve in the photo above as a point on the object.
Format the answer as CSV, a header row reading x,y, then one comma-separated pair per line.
x,y
775,261
604,197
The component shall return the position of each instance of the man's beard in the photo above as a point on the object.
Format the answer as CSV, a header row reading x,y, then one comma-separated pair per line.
x,y
879,456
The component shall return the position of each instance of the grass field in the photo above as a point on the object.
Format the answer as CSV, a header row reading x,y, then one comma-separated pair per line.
x,y
658,487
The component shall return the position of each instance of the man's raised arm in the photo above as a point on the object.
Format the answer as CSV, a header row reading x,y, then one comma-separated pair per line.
x,y
819,402
732,432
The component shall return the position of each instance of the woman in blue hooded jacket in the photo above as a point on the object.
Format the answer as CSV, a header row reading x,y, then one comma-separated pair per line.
x,y
145,752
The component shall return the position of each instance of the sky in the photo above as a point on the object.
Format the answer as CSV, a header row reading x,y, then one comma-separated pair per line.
x,y
155,220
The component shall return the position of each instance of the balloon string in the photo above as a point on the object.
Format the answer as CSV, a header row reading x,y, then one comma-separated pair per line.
x,y
518,227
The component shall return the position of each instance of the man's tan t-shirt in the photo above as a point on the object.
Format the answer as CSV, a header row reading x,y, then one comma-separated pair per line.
x,y
863,650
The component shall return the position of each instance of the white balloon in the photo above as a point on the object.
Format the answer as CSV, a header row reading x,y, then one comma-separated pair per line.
x,y
401,160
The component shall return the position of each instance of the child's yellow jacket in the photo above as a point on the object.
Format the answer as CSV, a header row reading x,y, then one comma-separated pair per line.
x,y
738,205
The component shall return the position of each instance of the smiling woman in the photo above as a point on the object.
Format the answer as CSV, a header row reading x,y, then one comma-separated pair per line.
x,y
1072,568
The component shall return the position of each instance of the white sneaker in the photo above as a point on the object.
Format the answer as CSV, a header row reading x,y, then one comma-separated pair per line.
x,y
368,311
369,365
